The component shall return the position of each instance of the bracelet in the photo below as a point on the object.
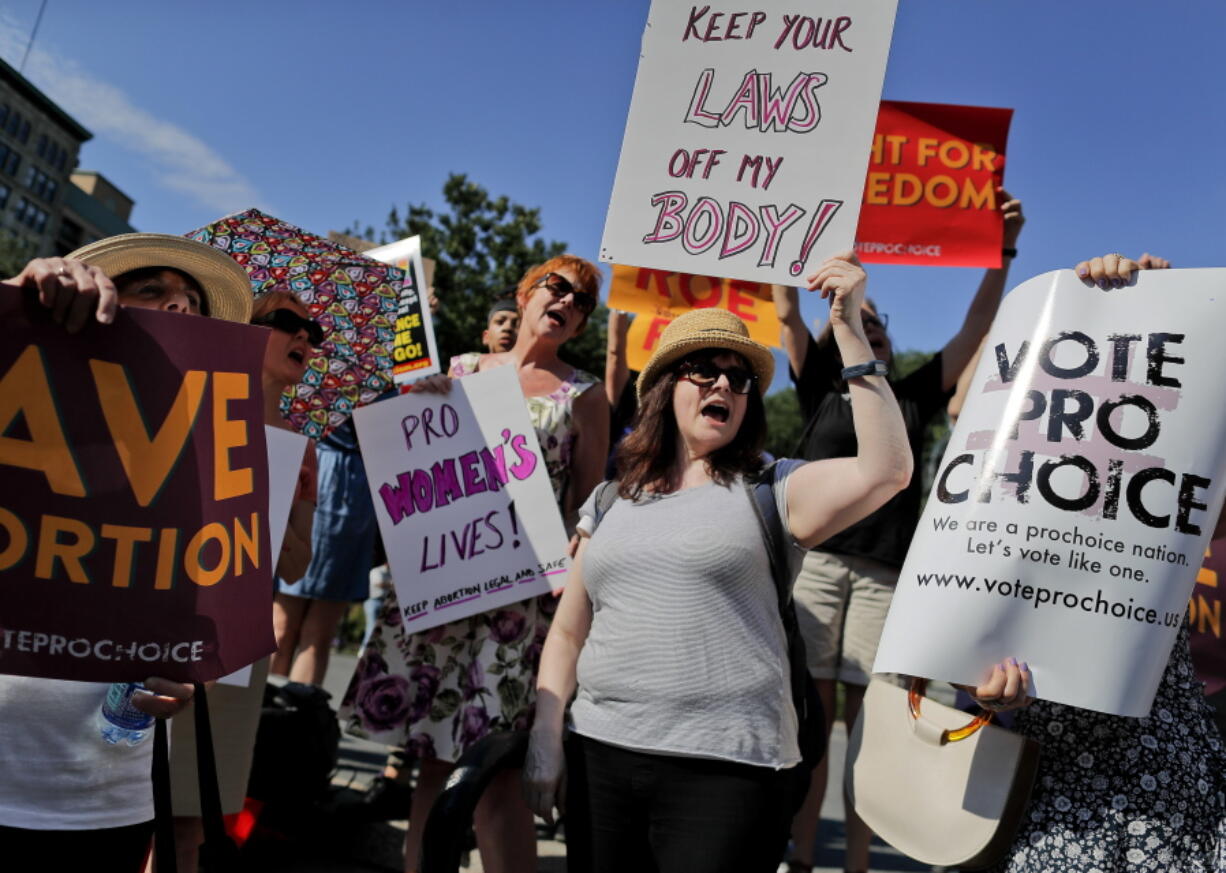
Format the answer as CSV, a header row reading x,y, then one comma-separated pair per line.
x,y
868,368
1009,253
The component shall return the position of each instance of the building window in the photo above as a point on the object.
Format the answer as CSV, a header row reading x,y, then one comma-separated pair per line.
x,y
10,160
14,123
42,145
5,191
31,216
4,114
24,135
41,184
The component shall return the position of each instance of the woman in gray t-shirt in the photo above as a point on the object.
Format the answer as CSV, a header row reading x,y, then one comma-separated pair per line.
x,y
669,626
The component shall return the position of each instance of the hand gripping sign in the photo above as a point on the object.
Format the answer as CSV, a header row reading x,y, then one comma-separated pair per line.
x,y
1080,488
463,499
747,138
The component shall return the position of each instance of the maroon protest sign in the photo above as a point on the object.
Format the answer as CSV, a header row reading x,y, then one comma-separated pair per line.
x,y
133,530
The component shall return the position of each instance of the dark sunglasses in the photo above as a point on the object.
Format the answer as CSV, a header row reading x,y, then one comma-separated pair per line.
x,y
288,321
705,373
880,319
560,286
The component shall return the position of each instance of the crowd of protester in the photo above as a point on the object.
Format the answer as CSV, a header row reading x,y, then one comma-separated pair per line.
x,y
657,689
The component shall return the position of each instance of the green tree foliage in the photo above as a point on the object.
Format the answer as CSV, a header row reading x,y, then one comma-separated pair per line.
x,y
784,423
483,245
14,253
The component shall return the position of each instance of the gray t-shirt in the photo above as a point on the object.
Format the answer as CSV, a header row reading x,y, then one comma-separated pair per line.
x,y
686,653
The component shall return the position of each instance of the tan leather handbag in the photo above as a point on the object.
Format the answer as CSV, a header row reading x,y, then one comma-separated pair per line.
x,y
937,788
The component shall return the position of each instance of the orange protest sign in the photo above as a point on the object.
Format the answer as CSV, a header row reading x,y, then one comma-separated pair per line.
x,y
930,194
659,296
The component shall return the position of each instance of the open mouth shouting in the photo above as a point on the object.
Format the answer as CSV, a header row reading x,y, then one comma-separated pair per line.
x,y
716,411
556,316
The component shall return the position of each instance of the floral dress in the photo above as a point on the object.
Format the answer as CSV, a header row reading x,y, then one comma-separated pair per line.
x,y
1134,794
439,691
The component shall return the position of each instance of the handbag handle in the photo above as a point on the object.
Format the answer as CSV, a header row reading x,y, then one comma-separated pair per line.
x,y
916,693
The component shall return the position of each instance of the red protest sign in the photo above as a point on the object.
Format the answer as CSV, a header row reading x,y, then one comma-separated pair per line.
x,y
930,194
133,529
1205,619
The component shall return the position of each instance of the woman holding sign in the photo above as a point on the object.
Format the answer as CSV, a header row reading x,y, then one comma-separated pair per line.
x,y
67,798
1117,793
844,588
400,694
671,625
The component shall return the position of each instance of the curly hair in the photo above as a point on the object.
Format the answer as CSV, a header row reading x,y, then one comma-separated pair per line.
x,y
646,456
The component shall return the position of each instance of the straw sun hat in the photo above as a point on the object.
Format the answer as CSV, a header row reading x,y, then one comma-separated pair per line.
x,y
706,329
224,283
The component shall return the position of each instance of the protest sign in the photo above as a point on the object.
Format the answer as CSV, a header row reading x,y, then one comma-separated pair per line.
x,y
133,524
930,195
747,137
1205,618
414,351
286,449
463,499
662,296
1079,490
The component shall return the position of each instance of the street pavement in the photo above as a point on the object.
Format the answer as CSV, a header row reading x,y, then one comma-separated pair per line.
x,y
328,845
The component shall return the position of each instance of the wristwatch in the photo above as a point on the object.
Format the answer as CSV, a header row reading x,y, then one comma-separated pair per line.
x,y
868,368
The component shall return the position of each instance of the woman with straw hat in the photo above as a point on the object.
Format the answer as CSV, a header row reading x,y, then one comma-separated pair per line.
x,y
66,798
670,624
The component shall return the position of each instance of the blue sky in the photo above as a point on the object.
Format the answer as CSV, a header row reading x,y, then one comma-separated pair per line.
x,y
326,113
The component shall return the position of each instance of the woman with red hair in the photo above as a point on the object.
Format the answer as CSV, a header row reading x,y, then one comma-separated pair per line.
x,y
438,692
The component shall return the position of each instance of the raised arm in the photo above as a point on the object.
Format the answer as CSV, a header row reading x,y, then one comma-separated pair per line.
x,y
616,367
544,765
960,350
793,334
825,497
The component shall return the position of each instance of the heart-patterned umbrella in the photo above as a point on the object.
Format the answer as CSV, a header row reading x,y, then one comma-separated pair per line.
x,y
351,296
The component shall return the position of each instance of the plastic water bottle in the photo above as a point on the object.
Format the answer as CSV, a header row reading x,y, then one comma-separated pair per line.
x,y
118,720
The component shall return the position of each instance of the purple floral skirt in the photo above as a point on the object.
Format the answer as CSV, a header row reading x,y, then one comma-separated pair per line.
x,y
438,691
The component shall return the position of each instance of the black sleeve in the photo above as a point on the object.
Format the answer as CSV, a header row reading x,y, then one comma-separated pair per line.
x,y
811,384
923,387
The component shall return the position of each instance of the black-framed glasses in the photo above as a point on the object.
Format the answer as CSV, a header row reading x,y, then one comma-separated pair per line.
x,y
705,373
881,319
288,321
559,286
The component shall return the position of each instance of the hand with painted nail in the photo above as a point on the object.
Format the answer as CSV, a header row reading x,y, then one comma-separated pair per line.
x,y
1004,689
1115,270
73,290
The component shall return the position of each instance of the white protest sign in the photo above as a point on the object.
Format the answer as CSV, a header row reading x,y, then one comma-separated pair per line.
x,y
285,456
463,499
1079,490
414,351
748,137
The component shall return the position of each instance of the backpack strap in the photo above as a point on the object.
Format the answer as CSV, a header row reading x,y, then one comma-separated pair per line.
x,y
804,695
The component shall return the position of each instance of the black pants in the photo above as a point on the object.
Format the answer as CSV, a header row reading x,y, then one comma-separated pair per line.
x,y
647,813
108,850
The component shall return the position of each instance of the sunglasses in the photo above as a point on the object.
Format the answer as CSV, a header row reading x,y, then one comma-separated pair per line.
x,y
288,321
704,374
560,286
880,319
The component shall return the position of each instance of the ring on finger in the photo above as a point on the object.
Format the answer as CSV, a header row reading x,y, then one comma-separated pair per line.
x,y
62,271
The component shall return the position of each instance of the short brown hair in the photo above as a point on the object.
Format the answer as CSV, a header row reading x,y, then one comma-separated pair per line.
x,y
586,272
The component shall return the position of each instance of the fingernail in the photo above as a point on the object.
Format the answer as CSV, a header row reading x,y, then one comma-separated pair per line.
x,y
1102,283
1013,662
1083,272
1118,283
1025,666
